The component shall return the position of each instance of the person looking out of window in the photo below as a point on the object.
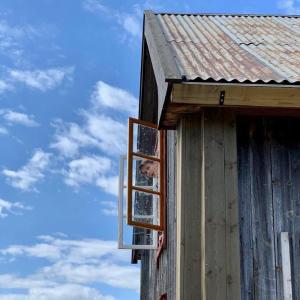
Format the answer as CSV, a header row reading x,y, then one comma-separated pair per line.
x,y
149,168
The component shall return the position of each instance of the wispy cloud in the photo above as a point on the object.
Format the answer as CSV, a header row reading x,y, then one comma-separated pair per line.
x,y
111,134
5,86
109,208
105,95
290,6
58,292
86,169
96,133
71,263
13,117
130,22
94,170
69,138
26,177
109,184
12,38
95,6
8,207
3,130
42,80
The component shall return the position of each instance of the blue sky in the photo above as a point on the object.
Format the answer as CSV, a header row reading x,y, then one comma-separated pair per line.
x,y
69,78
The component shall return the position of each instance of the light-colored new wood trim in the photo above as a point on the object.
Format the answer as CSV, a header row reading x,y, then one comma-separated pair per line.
x,y
188,261
236,96
208,244
233,281
286,266
221,224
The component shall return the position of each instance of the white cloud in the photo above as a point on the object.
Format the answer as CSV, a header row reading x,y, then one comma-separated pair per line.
x,y
95,6
70,137
77,263
5,86
290,6
105,95
86,169
130,22
97,131
18,118
109,208
3,130
111,134
42,80
26,177
8,207
59,292
109,184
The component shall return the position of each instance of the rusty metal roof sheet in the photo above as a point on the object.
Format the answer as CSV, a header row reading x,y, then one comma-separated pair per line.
x,y
234,48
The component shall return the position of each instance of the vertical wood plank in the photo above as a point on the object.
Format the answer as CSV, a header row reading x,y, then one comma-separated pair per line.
x,y
294,214
279,132
286,266
171,217
189,208
245,209
262,212
215,208
232,218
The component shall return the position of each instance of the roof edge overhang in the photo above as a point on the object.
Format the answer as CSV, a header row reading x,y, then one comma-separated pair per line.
x,y
176,92
226,14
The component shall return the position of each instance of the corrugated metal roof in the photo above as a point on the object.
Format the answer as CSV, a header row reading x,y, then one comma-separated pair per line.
x,y
234,48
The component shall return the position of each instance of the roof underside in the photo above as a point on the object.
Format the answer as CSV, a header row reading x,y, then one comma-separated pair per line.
x,y
255,49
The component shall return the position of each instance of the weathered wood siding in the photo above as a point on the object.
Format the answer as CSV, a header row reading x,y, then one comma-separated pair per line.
x,y
157,280
269,194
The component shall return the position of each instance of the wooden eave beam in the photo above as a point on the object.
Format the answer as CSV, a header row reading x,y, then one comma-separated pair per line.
x,y
236,95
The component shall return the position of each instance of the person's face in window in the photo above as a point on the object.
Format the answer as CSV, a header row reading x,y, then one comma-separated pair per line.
x,y
150,169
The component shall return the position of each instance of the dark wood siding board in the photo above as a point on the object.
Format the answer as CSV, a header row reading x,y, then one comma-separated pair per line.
x,y
294,214
274,168
245,210
261,193
281,187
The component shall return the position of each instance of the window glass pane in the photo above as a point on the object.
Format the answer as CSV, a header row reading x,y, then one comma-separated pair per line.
x,y
131,237
145,173
145,208
134,237
145,140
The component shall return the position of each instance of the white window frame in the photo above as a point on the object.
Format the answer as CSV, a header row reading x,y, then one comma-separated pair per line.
x,y
122,215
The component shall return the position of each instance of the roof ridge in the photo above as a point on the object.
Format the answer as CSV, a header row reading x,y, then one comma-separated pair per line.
x,y
228,14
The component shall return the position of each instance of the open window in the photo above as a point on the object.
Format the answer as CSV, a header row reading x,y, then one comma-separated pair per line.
x,y
130,237
145,176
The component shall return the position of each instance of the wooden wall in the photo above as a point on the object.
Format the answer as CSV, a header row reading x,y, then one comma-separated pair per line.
x,y
269,193
208,264
157,280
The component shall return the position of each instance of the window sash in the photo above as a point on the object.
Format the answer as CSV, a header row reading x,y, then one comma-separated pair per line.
x,y
131,187
121,216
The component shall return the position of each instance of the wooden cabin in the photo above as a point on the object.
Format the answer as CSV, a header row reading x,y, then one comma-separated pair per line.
x,y
219,118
